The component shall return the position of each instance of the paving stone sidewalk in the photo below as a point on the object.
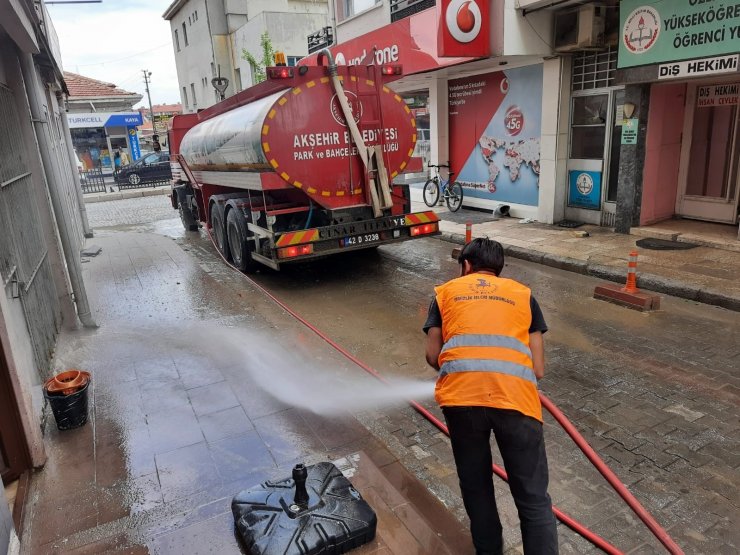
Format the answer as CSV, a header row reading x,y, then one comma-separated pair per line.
x,y
703,274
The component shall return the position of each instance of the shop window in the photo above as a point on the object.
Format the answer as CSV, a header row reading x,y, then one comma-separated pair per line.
x,y
588,126
293,60
177,40
184,33
418,103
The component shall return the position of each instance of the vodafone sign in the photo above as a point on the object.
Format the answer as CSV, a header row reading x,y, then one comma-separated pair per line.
x,y
464,28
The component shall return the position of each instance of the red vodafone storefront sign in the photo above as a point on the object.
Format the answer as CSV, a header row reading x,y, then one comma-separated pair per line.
x,y
464,28
411,42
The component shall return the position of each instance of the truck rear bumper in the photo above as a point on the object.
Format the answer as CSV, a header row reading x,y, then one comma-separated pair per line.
x,y
323,241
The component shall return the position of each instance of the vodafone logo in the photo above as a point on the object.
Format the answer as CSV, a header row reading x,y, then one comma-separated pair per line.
x,y
463,20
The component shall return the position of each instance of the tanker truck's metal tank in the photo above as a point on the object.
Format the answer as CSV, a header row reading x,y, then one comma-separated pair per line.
x,y
231,141
300,133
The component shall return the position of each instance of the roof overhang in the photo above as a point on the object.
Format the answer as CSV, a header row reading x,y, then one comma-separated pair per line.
x,y
19,26
173,9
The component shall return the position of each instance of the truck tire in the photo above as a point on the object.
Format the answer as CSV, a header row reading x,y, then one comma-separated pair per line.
x,y
239,245
182,201
219,231
186,217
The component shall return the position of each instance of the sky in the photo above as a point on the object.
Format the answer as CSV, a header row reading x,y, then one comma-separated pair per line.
x,y
113,41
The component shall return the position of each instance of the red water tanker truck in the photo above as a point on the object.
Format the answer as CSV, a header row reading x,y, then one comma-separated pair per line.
x,y
299,166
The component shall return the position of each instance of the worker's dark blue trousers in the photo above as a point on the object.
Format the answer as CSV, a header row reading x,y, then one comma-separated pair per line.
x,y
522,447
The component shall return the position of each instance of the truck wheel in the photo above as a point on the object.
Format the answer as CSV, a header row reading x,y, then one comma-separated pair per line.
x,y
219,233
239,246
186,217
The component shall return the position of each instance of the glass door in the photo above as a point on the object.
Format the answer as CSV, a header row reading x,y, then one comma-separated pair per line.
x,y
710,161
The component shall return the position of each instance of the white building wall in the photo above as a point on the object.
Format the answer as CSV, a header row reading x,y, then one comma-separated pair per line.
x,y
529,35
554,140
197,60
364,22
223,28
287,30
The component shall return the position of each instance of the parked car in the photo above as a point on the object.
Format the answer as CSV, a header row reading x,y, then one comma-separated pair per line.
x,y
147,169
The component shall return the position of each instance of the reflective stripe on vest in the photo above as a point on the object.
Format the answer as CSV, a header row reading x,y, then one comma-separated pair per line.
x,y
488,365
487,340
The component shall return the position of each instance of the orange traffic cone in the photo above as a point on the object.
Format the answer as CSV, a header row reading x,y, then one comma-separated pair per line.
x,y
631,285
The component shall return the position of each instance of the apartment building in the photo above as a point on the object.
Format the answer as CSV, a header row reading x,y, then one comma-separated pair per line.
x,y
210,36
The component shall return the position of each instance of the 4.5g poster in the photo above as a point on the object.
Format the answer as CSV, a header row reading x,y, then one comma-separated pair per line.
x,y
495,134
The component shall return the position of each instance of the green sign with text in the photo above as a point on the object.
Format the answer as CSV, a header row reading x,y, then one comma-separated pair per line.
x,y
629,131
656,31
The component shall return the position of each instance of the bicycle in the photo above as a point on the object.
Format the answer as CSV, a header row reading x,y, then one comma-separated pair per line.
x,y
452,193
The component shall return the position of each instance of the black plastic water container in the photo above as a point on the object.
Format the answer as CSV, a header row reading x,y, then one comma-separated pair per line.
x,y
317,511
70,411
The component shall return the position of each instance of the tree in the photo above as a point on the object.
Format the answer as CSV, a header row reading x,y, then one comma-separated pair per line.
x,y
258,66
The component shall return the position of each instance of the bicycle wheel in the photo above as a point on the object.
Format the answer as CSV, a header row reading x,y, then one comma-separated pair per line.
x,y
454,196
431,192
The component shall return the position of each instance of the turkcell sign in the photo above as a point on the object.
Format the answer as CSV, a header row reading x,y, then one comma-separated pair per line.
x,y
698,68
104,119
658,31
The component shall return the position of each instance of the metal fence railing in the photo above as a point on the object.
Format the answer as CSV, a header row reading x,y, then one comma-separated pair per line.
x,y
143,183
92,181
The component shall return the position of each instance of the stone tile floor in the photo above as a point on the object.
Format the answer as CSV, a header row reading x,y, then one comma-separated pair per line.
x,y
177,427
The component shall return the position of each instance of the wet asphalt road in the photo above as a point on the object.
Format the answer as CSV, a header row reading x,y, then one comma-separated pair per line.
x,y
655,394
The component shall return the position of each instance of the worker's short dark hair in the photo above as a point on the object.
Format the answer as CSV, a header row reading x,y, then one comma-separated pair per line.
x,y
483,254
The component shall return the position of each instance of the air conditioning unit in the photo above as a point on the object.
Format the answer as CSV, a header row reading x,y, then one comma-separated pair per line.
x,y
580,29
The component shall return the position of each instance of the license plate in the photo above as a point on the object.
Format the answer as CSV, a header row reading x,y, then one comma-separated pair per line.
x,y
357,240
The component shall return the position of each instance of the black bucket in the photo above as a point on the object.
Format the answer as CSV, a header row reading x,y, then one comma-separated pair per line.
x,y
70,411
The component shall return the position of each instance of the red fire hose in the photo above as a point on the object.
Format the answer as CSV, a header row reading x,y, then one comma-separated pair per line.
x,y
600,465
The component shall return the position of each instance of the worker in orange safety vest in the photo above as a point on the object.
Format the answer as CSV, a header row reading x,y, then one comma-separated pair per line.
x,y
484,335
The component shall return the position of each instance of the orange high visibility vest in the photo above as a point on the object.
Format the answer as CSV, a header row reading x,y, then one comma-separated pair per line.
x,y
485,358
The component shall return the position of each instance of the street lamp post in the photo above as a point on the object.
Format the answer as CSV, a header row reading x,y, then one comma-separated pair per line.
x,y
147,77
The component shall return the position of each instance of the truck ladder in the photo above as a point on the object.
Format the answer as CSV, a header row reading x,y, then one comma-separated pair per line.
x,y
372,156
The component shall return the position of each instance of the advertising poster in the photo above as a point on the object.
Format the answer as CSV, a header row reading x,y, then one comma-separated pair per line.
x,y
133,139
495,134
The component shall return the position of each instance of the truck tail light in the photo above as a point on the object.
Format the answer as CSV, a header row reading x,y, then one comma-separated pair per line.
x,y
280,72
391,69
424,229
296,250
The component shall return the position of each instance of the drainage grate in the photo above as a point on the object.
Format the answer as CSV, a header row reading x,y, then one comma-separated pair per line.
x,y
663,245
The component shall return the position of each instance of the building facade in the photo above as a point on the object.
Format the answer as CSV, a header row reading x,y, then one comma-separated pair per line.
x,y
210,36
44,228
680,65
477,89
612,113
103,123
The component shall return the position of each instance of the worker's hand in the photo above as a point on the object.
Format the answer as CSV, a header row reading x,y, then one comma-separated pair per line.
x,y
434,347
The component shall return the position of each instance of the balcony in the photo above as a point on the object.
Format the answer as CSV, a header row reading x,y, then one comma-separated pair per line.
x,y
318,40
406,8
